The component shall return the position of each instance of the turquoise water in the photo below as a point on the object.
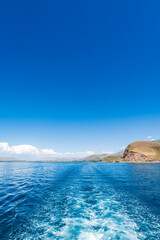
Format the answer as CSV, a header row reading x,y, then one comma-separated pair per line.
x,y
84,201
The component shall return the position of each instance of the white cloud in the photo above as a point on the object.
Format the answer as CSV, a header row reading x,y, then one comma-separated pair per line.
x,y
4,147
48,151
123,147
149,137
25,151
18,149
89,152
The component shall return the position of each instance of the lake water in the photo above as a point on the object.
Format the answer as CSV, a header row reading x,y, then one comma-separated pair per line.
x,y
84,201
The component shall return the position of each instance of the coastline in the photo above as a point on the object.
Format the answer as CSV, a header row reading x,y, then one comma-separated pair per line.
x,y
19,161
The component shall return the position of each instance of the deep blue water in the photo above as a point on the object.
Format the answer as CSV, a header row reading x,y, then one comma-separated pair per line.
x,y
84,201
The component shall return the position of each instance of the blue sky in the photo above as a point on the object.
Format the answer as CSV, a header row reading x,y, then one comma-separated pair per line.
x,y
79,76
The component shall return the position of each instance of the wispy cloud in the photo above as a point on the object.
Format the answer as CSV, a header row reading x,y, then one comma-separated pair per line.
x,y
123,147
31,152
150,138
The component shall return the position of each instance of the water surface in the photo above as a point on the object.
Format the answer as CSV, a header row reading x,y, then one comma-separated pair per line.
x,y
84,201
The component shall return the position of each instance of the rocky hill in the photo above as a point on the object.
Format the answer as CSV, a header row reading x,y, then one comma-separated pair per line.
x,y
142,151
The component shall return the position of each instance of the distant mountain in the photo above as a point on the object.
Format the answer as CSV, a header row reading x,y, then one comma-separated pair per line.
x,y
158,140
91,158
94,158
120,153
101,157
8,159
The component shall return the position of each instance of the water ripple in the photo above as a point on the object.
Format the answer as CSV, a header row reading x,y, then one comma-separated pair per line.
x,y
79,201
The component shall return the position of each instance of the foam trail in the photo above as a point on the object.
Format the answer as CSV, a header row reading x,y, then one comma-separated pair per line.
x,y
86,205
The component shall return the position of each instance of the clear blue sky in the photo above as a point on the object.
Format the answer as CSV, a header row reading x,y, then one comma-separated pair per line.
x,y
79,75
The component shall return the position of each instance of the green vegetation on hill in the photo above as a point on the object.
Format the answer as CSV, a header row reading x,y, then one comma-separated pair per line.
x,y
112,159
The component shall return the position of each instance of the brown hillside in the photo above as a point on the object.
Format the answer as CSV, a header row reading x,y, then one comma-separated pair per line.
x,y
142,150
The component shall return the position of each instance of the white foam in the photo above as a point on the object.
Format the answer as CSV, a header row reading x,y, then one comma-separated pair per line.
x,y
93,215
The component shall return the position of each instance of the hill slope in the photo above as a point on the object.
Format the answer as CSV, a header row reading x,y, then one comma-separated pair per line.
x,y
94,158
105,157
142,150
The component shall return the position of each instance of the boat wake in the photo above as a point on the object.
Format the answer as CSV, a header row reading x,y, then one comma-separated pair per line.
x,y
83,202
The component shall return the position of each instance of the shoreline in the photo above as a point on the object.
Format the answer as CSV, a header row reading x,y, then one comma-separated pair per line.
x,y
19,161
